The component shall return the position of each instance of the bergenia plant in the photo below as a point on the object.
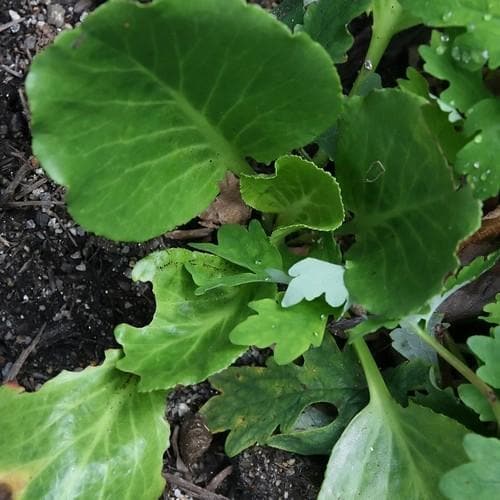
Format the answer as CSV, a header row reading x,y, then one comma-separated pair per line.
x,y
142,110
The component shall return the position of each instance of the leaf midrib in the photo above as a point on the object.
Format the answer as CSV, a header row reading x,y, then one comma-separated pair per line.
x,y
209,131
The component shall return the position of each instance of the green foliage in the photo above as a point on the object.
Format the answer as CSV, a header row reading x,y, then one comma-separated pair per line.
x,y
301,194
481,18
479,158
255,401
399,222
478,478
141,110
326,22
293,330
121,119
390,452
312,278
250,249
466,87
83,435
173,348
487,349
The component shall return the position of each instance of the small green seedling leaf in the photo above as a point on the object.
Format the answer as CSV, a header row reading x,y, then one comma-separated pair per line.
x,y
481,18
326,22
173,348
479,159
255,401
300,193
249,248
406,233
294,330
388,451
478,478
466,87
313,278
487,349
83,435
143,98
473,398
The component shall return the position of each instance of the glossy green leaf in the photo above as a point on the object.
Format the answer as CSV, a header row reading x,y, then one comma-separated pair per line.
x,y
142,109
466,87
480,17
479,158
293,330
312,278
326,22
371,325
83,435
246,247
478,478
300,193
188,338
255,401
408,216
389,452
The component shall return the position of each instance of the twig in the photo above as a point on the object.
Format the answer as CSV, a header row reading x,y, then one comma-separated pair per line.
x,y
18,364
18,178
11,71
192,489
219,478
28,203
4,242
22,98
8,25
189,234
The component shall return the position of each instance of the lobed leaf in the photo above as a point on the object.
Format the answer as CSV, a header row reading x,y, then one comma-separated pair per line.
x,y
479,158
466,87
142,98
293,330
478,478
481,18
300,193
188,338
83,435
406,232
246,247
255,401
312,278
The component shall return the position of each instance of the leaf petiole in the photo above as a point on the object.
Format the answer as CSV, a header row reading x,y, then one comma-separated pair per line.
x,y
462,368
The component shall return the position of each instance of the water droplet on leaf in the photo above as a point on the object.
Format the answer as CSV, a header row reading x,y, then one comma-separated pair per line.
x,y
440,50
445,38
487,17
368,65
447,15
476,164
478,139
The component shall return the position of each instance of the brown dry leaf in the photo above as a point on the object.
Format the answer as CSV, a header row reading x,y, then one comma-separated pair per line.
x,y
228,207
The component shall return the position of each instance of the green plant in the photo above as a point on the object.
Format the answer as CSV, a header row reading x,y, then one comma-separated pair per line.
x,y
141,111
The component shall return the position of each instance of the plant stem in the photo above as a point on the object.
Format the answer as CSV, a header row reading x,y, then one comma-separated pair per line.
x,y
463,369
376,385
388,19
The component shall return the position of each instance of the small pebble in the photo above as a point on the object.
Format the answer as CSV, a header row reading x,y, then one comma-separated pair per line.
x,y
55,15
81,267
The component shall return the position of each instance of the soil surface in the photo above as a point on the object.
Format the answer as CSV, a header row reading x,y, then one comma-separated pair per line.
x,y
62,290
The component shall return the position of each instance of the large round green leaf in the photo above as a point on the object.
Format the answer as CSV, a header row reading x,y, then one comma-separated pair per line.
x,y
142,109
84,435
408,215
